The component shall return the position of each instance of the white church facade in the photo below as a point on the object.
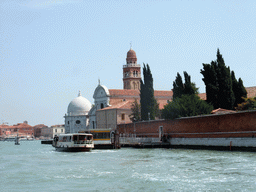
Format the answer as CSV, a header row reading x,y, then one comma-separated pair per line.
x,y
77,117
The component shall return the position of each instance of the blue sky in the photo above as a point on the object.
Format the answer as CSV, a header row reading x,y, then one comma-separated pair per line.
x,y
51,49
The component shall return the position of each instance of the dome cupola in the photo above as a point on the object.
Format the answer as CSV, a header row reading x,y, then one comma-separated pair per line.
x,y
131,57
79,106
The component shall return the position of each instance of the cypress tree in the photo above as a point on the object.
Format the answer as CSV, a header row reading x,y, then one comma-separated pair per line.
x,y
178,87
211,84
218,82
242,91
147,99
226,98
187,88
235,88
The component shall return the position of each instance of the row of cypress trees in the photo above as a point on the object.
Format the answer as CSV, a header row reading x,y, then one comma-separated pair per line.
x,y
223,90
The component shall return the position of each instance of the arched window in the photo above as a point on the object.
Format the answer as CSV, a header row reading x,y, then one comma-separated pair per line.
x,y
135,73
101,105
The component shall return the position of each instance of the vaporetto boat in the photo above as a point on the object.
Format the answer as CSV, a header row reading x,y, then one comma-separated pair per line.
x,y
73,142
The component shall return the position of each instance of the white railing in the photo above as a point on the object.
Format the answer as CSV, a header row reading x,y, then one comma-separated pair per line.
x,y
131,65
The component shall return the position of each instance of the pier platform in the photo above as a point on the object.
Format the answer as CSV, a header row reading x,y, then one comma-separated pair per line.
x,y
49,142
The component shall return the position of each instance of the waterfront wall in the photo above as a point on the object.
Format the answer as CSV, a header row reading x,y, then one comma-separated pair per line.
x,y
241,124
228,142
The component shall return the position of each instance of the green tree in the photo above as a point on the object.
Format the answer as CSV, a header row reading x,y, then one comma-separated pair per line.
x,y
180,88
242,91
248,104
185,106
226,98
147,99
218,82
135,115
238,89
210,80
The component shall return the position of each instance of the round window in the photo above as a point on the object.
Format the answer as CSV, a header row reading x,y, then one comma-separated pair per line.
x,y
78,121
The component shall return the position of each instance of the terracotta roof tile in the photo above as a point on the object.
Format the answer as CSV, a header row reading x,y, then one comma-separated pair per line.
x,y
251,92
124,92
121,105
222,111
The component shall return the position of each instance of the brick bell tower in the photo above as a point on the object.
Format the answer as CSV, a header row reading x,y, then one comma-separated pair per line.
x,y
131,71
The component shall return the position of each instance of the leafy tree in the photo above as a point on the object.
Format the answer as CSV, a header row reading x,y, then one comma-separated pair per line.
x,y
147,99
135,115
248,104
186,105
180,88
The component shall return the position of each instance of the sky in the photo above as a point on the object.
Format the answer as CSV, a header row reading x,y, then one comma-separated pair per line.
x,y
51,49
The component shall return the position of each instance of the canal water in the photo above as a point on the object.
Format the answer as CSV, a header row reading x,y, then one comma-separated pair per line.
x,y
32,166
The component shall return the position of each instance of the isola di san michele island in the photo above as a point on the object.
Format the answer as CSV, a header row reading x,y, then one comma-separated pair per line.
x,y
139,116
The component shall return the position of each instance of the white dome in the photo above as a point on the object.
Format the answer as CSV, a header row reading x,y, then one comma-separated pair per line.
x,y
79,106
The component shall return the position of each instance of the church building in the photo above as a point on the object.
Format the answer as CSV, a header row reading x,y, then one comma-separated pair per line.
x,y
77,117
113,106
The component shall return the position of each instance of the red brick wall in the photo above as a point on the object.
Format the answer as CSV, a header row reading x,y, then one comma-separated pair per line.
x,y
228,125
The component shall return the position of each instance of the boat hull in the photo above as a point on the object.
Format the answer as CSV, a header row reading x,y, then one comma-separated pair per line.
x,y
73,149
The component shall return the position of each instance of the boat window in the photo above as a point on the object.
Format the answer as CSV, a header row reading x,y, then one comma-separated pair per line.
x,y
89,137
103,135
81,137
75,138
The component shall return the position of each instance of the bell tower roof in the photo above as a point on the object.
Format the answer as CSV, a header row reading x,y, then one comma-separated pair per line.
x,y
131,57
131,71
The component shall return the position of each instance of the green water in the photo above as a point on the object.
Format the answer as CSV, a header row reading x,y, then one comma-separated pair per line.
x,y
35,167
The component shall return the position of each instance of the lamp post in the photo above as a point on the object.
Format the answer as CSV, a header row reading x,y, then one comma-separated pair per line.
x,y
149,116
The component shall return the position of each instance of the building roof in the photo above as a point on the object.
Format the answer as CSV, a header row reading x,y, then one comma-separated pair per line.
x,y
121,105
123,92
79,106
251,92
222,111
18,125
40,126
131,54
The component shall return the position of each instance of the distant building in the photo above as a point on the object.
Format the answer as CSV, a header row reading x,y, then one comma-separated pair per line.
x,y
57,129
38,130
23,129
46,132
